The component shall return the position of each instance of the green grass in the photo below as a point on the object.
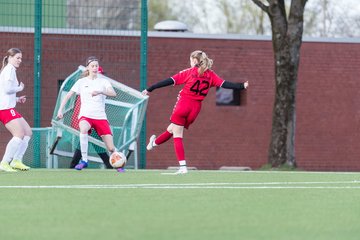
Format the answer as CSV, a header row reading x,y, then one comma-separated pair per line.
x,y
104,204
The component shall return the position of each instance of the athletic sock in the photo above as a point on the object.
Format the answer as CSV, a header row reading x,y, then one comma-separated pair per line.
x,y
11,149
179,149
182,164
129,153
22,148
163,138
105,158
84,144
76,158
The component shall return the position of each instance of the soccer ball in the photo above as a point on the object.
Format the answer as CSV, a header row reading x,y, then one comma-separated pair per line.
x,y
117,160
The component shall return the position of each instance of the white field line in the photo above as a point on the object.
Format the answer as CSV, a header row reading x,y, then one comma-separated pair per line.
x,y
279,172
179,187
212,171
254,185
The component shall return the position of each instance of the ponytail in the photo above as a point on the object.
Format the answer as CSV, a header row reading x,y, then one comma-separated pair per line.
x,y
85,73
11,52
4,62
204,62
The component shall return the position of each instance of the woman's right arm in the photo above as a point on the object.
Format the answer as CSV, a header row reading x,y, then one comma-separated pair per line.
x,y
11,90
63,102
163,83
10,87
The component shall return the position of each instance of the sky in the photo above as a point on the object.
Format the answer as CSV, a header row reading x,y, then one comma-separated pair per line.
x,y
352,5
211,18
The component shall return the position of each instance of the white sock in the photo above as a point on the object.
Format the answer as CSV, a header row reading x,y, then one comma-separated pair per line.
x,y
11,149
22,148
84,143
182,164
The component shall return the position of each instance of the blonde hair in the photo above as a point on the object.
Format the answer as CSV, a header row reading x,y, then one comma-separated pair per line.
x,y
204,62
88,61
10,53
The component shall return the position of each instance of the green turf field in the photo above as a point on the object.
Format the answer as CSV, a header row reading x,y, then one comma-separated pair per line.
x,y
104,204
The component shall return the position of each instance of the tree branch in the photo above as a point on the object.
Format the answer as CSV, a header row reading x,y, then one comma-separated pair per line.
x,y
296,22
261,5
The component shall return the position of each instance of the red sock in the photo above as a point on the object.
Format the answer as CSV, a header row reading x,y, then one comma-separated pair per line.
x,y
179,149
163,138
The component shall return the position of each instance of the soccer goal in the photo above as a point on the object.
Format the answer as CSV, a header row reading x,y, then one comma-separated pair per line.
x,y
125,113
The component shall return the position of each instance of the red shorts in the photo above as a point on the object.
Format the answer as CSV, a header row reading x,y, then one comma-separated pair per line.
x,y
185,112
8,115
101,126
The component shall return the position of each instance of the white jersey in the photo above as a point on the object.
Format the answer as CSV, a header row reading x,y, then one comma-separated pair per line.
x,y
9,85
91,106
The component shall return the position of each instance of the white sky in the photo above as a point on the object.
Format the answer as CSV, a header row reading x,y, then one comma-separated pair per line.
x,y
343,10
352,5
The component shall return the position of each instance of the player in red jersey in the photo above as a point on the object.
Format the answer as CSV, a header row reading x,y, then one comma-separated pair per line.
x,y
197,81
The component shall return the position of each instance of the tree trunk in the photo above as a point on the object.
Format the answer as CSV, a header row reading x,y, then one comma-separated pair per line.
x,y
286,38
282,143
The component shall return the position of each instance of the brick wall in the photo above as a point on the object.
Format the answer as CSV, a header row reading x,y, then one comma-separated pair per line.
x,y
327,95
233,136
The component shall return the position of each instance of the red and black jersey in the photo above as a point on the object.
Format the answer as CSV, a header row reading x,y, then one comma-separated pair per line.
x,y
196,87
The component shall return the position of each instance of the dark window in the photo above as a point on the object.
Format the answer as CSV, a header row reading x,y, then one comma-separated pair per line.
x,y
229,97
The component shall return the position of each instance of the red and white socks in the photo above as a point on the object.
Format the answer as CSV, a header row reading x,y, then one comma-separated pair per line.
x,y
180,154
162,138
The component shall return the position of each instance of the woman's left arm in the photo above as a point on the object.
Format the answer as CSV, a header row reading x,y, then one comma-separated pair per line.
x,y
231,85
109,92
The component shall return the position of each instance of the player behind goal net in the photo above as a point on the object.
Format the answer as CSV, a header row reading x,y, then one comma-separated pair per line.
x,y
125,113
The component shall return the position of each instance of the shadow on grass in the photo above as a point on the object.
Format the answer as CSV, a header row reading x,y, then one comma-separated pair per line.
x,y
284,167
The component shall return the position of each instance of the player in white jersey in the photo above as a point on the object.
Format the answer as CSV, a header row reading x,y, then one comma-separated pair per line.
x,y
13,121
93,91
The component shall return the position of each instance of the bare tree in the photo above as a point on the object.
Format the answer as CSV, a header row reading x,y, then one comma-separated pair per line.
x,y
159,11
287,33
330,18
324,18
249,20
